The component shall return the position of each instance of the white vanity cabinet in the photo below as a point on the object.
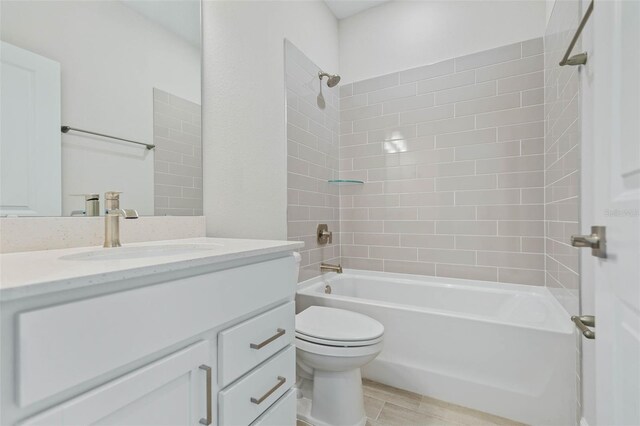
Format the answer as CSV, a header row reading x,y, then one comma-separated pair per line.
x,y
208,344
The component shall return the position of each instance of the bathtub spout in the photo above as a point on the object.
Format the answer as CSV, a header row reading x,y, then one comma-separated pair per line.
x,y
330,268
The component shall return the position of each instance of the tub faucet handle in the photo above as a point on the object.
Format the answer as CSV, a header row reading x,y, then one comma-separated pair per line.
x,y
597,241
324,235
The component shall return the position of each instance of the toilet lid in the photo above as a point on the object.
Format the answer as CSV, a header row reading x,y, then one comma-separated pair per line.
x,y
337,325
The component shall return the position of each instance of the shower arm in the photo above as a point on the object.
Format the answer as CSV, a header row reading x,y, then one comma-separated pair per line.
x,y
332,79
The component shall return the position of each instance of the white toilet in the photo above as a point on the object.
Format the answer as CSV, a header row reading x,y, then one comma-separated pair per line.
x,y
332,345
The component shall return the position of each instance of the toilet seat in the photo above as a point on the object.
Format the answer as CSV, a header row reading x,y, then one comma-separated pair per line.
x,y
337,327
338,343
338,351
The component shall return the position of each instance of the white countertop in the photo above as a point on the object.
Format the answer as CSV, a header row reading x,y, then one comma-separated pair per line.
x,y
39,272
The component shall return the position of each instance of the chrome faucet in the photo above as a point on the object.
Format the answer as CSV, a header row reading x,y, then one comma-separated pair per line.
x,y
330,268
112,218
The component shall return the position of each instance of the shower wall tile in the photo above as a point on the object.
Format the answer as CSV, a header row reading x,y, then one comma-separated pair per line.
x,y
177,155
313,154
520,82
446,82
427,71
532,47
396,92
453,158
408,103
562,156
377,83
494,103
509,69
489,57
562,140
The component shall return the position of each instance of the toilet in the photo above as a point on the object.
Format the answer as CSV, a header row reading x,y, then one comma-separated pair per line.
x,y
331,346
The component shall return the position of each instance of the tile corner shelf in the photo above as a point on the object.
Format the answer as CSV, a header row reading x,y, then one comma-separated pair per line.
x,y
345,182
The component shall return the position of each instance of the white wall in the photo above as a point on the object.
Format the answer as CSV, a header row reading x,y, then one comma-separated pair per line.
x,y
245,169
548,9
406,34
111,58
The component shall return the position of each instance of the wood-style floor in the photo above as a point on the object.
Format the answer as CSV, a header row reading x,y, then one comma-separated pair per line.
x,y
388,406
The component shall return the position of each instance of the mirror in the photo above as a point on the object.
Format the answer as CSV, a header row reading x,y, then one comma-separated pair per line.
x,y
123,79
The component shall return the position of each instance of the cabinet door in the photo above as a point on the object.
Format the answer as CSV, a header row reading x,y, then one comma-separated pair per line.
x,y
171,391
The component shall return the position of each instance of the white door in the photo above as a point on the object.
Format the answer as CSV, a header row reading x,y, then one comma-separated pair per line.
x,y
171,391
30,182
616,61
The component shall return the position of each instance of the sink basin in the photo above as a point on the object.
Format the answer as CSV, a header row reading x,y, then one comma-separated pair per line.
x,y
142,252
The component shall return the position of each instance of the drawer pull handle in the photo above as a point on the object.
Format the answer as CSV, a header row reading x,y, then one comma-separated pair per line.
x,y
209,418
280,332
281,381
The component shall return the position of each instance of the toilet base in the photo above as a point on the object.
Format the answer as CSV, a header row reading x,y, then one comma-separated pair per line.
x,y
303,412
336,399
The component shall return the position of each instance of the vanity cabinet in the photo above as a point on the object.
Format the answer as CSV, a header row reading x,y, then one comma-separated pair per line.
x,y
160,351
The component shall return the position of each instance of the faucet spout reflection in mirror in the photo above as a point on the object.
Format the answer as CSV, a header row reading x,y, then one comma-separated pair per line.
x,y
112,218
91,205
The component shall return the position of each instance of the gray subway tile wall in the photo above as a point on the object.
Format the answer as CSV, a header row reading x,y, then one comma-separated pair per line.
x,y
453,157
562,158
312,160
178,155
562,167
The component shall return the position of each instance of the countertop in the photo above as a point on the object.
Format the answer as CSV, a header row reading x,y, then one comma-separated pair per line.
x,y
40,272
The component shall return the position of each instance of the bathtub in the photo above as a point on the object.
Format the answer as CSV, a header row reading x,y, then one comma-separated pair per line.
x,y
505,349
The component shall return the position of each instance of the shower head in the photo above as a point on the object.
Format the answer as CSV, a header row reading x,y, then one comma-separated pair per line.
x,y
332,79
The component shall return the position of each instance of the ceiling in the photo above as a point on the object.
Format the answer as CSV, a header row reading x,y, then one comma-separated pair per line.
x,y
345,8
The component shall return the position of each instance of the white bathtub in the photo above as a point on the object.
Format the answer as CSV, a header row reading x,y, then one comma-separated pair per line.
x,y
505,349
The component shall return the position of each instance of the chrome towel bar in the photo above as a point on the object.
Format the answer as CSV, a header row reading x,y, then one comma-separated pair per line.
x,y
67,129
580,58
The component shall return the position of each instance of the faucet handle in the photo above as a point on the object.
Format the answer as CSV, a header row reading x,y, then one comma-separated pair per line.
x,y
112,195
129,213
323,234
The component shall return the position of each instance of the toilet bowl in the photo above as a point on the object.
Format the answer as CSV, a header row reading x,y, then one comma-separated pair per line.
x,y
331,346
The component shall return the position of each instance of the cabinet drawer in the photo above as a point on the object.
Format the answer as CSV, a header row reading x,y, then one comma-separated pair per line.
x,y
281,413
243,402
242,347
